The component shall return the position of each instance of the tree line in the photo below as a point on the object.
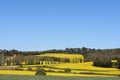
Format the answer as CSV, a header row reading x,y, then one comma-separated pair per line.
x,y
100,57
88,53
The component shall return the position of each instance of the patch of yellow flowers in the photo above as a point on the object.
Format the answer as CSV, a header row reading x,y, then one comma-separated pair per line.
x,y
69,74
76,68
15,72
58,55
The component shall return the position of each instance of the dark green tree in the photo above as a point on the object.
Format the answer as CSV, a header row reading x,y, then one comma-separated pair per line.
x,y
118,63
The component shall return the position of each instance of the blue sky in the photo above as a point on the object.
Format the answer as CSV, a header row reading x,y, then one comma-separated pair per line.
x,y
56,24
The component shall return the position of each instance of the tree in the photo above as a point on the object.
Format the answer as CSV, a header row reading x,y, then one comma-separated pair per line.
x,y
84,50
2,58
13,51
118,63
67,70
102,62
40,71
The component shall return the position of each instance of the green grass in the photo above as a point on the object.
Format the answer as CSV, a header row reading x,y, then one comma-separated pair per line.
x,y
19,77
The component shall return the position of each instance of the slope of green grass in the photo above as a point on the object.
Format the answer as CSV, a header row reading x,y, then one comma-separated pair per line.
x,y
19,77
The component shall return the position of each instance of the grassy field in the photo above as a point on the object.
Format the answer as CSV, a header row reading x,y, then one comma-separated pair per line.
x,y
20,77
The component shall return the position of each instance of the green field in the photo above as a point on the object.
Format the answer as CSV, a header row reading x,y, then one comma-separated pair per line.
x,y
19,77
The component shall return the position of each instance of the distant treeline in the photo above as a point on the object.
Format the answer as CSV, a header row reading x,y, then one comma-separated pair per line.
x,y
100,57
89,53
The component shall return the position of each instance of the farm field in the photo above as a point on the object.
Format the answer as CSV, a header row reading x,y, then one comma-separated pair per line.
x,y
78,70
21,77
15,72
87,69
59,55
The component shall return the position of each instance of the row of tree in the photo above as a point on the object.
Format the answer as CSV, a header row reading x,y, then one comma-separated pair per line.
x,y
101,57
82,50
88,53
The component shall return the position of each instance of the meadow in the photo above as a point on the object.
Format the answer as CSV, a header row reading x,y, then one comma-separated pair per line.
x,y
22,77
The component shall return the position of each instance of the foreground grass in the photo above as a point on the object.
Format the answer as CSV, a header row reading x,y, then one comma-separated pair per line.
x,y
20,77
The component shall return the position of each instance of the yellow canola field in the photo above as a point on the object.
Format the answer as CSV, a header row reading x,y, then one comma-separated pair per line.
x,y
83,66
14,72
69,74
87,68
77,69
58,55
114,60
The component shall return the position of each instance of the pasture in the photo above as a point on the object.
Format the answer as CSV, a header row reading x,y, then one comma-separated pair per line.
x,y
21,77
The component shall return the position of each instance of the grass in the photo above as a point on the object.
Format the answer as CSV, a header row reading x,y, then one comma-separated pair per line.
x,y
21,77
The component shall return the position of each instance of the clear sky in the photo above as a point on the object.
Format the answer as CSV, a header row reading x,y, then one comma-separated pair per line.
x,y
56,24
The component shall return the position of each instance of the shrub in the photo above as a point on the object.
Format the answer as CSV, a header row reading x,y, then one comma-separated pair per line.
x,y
102,62
67,70
21,65
118,63
29,69
41,71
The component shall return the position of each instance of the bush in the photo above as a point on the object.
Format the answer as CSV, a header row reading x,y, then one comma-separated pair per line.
x,y
67,70
29,69
118,63
103,62
40,72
